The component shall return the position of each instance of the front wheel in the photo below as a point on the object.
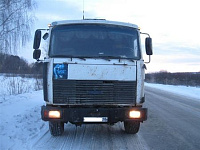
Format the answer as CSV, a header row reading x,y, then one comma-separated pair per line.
x,y
131,127
56,128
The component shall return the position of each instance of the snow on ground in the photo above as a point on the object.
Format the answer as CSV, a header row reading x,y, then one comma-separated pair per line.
x,y
19,113
20,120
17,85
193,92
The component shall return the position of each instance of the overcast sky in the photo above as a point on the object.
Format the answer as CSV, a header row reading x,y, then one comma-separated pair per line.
x,y
174,26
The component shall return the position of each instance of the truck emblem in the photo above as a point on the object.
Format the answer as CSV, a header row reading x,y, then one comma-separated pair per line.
x,y
60,71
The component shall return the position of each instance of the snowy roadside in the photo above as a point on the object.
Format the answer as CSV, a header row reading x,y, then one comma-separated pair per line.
x,y
18,85
193,92
20,120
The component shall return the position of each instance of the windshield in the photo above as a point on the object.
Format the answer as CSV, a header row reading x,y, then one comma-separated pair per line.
x,y
94,41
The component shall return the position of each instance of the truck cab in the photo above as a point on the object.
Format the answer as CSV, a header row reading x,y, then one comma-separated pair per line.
x,y
93,73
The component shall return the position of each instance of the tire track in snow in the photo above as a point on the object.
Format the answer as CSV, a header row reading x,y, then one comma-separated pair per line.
x,y
92,136
41,138
71,133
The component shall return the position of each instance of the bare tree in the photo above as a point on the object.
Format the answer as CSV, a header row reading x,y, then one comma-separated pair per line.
x,y
16,18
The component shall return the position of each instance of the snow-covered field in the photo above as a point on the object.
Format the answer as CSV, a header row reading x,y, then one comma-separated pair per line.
x,y
20,122
18,85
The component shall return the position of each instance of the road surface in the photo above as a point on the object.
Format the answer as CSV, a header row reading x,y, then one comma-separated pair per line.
x,y
173,123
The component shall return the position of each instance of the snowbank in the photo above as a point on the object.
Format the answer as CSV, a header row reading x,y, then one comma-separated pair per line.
x,y
20,120
193,92
18,85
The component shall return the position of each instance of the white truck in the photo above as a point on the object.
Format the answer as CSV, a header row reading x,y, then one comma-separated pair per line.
x,y
94,73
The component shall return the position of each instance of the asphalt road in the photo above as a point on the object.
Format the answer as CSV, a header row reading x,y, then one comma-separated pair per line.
x,y
173,123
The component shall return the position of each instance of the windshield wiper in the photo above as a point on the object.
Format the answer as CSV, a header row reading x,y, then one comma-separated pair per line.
x,y
70,56
108,57
131,59
82,58
115,57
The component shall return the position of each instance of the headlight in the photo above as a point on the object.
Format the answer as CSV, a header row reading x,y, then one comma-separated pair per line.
x,y
134,114
60,71
54,114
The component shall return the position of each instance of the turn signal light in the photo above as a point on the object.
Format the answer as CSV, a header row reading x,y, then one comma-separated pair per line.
x,y
54,114
134,114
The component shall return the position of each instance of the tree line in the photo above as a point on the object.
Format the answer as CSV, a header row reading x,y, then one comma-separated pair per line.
x,y
183,78
11,64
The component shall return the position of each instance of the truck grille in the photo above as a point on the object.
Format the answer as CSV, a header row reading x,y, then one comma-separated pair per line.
x,y
94,92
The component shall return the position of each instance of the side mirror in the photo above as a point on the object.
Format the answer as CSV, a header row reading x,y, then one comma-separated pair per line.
x,y
37,39
148,46
36,54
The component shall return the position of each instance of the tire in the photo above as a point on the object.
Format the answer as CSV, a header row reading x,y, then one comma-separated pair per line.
x,y
131,127
56,128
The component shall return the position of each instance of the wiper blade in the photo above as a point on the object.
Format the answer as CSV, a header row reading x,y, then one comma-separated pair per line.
x,y
116,57
108,57
82,58
131,59
70,56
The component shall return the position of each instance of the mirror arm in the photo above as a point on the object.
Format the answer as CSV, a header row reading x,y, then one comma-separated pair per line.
x,y
43,29
145,34
149,60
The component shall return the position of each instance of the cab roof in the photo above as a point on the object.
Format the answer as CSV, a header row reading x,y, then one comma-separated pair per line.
x,y
94,21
